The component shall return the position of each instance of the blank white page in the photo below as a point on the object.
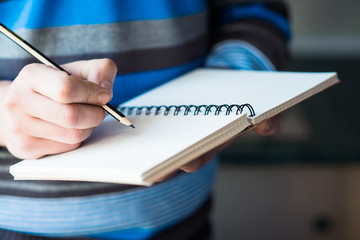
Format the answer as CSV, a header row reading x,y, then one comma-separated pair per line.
x,y
267,92
115,153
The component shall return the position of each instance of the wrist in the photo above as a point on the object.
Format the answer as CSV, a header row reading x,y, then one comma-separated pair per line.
x,y
237,54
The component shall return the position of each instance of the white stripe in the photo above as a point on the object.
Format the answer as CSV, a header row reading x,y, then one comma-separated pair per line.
x,y
109,37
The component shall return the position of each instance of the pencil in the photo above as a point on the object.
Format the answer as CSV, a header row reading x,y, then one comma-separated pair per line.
x,y
113,111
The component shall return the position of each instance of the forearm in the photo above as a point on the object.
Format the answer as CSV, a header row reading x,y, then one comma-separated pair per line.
x,y
4,86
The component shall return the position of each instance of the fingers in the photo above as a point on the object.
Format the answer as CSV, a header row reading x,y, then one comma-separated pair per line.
x,y
80,116
46,111
37,128
196,164
99,71
268,127
63,88
33,148
204,159
265,128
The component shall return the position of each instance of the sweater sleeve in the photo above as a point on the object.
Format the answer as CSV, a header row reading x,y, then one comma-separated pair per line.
x,y
249,35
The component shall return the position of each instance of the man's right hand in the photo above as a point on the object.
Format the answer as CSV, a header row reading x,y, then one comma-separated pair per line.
x,y
46,111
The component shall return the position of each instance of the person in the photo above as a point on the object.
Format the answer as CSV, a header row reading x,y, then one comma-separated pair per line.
x,y
116,50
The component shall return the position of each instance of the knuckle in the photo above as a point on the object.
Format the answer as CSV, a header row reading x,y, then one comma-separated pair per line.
x,y
29,72
71,116
25,148
90,93
65,89
73,146
16,152
191,168
15,126
29,69
108,64
188,169
195,168
11,103
99,117
75,136
102,66
195,165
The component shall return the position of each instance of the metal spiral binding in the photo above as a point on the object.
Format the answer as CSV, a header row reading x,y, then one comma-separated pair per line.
x,y
187,109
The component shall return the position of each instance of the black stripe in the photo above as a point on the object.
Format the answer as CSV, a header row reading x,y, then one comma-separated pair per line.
x,y
265,36
53,192
6,157
5,176
266,26
278,6
127,62
12,235
56,189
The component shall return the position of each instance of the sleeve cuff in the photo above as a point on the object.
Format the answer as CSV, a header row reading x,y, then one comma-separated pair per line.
x,y
238,54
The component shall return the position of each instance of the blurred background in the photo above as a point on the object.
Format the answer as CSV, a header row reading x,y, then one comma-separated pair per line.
x,y
304,182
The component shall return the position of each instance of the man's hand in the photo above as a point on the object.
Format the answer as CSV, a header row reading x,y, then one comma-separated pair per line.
x,y
46,111
266,128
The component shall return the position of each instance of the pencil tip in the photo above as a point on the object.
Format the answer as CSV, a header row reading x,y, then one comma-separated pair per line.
x,y
132,126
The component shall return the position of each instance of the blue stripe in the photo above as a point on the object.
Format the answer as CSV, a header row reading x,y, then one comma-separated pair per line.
x,y
169,218
166,221
156,216
235,55
128,86
238,58
238,55
74,12
151,223
152,209
88,205
126,234
89,209
257,10
154,226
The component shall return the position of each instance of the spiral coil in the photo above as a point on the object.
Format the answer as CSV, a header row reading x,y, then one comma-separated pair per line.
x,y
187,109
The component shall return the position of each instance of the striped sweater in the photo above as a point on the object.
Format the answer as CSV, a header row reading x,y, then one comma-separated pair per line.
x,y
151,42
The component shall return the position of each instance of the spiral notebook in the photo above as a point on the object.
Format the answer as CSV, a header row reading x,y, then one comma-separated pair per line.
x,y
176,123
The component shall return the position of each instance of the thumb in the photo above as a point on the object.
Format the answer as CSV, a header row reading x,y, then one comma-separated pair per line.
x,y
99,71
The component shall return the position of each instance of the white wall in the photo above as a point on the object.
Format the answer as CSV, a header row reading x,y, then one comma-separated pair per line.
x,y
326,27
